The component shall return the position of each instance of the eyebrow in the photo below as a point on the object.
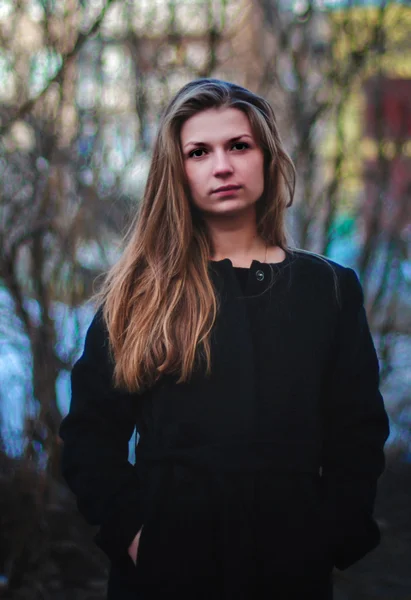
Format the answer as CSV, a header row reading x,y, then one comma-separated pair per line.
x,y
231,140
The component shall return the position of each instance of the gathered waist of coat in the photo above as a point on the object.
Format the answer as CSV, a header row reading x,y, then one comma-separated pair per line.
x,y
239,456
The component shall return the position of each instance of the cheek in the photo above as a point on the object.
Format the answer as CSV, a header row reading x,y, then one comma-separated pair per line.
x,y
256,171
261,165
190,176
194,178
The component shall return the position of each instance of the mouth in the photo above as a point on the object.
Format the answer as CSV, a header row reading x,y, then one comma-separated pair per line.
x,y
226,188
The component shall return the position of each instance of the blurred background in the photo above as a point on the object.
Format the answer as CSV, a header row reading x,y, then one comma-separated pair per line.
x,y
82,84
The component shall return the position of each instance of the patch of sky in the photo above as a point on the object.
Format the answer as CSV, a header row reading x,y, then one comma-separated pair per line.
x,y
85,145
116,63
63,392
134,179
5,63
7,76
86,176
107,180
115,22
95,256
6,9
15,368
35,10
88,91
71,328
115,148
91,11
44,64
42,164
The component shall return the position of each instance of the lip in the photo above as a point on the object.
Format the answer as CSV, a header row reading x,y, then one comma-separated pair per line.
x,y
226,188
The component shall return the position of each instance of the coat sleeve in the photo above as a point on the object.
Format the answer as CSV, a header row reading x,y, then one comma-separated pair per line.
x,y
356,428
96,433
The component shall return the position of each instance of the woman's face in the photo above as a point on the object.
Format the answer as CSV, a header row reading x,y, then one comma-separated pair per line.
x,y
223,163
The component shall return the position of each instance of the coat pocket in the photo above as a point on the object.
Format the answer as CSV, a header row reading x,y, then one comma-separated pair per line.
x,y
318,539
176,540
298,527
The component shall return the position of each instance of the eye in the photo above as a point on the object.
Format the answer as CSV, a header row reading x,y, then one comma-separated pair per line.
x,y
243,144
196,153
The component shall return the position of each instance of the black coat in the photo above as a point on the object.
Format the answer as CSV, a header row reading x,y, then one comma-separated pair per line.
x,y
261,476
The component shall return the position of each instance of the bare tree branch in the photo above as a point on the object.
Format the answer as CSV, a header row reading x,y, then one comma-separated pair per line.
x,y
82,38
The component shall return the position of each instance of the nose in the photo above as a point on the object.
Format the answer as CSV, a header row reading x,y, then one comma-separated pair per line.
x,y
222,165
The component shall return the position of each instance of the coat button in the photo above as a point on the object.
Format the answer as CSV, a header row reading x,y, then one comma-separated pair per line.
x,y
260,275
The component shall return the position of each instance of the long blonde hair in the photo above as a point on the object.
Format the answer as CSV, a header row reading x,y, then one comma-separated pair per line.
x,y
158,300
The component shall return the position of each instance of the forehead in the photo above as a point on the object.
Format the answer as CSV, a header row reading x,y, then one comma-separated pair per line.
x,y
214,125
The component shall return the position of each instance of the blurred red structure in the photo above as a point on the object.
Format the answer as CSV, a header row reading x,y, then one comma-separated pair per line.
x,y
387,168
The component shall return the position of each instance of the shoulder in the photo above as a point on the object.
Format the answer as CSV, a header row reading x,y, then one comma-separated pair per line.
x,y
314,262
96,347
323,270
97,332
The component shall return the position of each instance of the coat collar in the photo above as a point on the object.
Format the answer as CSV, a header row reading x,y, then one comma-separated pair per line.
x,y
259,279
226,263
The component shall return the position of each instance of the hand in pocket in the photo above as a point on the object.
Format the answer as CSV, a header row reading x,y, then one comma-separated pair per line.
x,y
133,548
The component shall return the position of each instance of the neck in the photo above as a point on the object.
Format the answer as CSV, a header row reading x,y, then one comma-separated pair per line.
x,y
236,238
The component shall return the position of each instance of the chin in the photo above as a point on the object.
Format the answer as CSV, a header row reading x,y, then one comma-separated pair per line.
x,y
227,211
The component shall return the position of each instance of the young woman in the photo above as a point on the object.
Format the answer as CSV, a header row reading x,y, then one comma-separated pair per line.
x,y
247,368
